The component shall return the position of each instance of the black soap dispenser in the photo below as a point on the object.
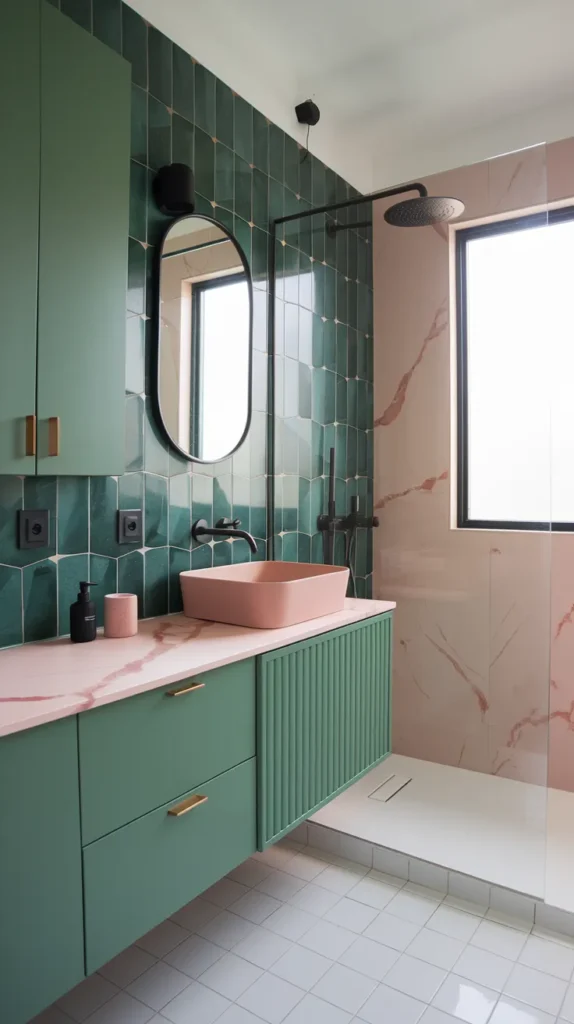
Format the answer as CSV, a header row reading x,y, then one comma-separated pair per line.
x,y
83,616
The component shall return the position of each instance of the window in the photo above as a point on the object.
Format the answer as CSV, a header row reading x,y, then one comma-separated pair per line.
x,y
515,329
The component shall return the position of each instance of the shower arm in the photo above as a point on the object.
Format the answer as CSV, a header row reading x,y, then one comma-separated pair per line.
x,y
413,186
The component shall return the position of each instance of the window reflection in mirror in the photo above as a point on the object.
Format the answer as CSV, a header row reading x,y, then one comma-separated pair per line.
x,y
204,364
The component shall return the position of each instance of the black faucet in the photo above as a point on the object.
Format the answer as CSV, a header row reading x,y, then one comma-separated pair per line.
x,y
222,528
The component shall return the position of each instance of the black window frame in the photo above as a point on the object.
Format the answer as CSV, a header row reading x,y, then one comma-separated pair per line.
x,y
463,236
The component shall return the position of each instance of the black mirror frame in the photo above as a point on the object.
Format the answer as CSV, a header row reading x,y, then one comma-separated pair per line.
x,y
154,367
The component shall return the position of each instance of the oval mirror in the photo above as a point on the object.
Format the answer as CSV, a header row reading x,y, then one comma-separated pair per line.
x,y
203,368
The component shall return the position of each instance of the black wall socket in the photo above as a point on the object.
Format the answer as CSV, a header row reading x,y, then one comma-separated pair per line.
x,y
33,528
130,526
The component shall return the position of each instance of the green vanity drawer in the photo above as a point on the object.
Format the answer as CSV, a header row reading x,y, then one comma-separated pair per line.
x,y
139,875
145,751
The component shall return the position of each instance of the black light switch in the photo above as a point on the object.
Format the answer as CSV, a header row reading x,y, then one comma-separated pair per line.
x,y
33,528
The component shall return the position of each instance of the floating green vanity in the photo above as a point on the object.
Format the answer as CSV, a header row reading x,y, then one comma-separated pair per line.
x,y
114,818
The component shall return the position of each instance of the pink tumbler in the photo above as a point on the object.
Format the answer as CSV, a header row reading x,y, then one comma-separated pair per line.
x,y
120,615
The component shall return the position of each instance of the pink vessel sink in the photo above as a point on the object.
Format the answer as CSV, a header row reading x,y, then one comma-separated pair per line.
x,y
264,595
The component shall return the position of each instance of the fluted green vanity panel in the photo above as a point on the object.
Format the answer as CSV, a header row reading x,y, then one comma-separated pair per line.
x,y
19,188
41,915
84,213
323,720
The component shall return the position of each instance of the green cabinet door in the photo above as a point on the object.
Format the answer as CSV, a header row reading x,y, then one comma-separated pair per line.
x,y
41,923
84,204
19,192
323,720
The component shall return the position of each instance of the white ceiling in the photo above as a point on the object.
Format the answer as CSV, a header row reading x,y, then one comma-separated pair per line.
x,y
405,87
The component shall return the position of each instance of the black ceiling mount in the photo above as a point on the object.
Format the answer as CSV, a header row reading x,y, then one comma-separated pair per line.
x,y
174,189
307,113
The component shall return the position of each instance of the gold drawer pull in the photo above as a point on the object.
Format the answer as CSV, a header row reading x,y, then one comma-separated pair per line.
x,y
187,805
54,435
30,435
185,689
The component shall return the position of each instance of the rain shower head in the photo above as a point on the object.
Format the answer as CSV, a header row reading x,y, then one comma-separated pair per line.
x,y
423,210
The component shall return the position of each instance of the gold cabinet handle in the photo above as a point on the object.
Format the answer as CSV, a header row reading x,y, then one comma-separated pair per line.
x,y
185,689
54,435
30,435
187,805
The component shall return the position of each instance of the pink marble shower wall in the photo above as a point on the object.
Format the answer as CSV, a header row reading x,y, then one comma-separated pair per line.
x,y
484,642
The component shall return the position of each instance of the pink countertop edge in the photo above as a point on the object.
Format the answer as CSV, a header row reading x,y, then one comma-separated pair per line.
x,y
44,681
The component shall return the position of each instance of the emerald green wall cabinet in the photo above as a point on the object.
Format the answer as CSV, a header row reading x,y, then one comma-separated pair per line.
x,y
66,197
138,875
41,925
323,720
158,746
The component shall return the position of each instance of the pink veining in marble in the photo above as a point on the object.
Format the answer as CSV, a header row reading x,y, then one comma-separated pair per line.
x,y
438,327
44,681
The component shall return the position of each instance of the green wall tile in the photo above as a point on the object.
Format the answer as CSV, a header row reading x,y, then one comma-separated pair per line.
x,y
134,44
104,574
156,453
182,141
156,511
134,439
135,355
224,169
260,199
201,557
292,158
138,201
180,510
104,516
224,103
204,164
179,561
205,100
139,120
243,177
71,570
183,83
136,276
243,129
79,11
131,491
73,512
11,604
40,590
107,22
160,66
156,597
261,142
276,153
159,133
131,576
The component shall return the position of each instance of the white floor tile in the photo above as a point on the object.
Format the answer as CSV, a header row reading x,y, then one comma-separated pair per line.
x,y
509,1011
290,922
567,1010
226,929
195,914
392,931
465,1000
314,899
388,1005
280,884
262,948
280,854
535,988
434,1016
250,873
390,862
373,893
255,906
415,978
497,938
337,879
224,893
383,876
457,924
510,920
436,895
345,988
312,1010
159,985
87,997
302,967
196,1005
230,976
476,909
411,907
194,956
162,939
236,1015
369,957
305,866
486,968
127,966
271,998
350,914
434,948
122,1009
548,956
329,940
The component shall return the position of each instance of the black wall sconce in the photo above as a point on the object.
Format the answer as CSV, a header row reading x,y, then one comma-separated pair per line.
x,y
174,190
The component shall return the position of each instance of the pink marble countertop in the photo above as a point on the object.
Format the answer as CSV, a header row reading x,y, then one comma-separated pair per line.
x,y
44,681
